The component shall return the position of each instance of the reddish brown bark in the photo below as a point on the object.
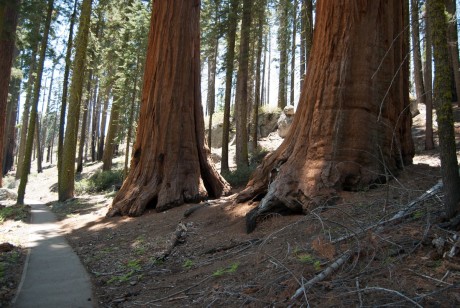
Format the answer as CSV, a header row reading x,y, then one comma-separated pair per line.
x,y
8,22
170,164
352,125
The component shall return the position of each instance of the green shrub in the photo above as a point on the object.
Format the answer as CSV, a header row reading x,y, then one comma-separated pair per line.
x,y
100,181
15,212
239,176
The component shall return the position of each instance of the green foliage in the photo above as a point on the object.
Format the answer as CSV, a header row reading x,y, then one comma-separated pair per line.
x,y
229,270
418,214
239,176
15,212
188,264
139,245
100,181
133,267
306,258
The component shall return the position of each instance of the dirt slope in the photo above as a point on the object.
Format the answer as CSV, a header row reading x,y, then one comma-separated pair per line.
x,y
207,259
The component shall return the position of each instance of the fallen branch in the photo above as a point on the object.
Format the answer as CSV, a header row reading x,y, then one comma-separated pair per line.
x,y
176,238
428,277
231,246
394,292
321,276
177,293
406,211
358,289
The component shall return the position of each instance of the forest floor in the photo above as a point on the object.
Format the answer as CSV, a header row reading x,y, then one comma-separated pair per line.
x,y
206,259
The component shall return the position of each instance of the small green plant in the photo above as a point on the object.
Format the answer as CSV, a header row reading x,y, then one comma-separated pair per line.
x,y
317,265
306,258
233,268
188,264
139,246
418,214
157,261
229,270
15,212
134,265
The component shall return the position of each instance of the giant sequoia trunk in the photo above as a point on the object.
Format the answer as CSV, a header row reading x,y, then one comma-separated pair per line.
x,y
352,125
170,164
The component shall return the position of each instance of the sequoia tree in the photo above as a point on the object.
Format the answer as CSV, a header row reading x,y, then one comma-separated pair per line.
x,y
8,21
170,164
352,126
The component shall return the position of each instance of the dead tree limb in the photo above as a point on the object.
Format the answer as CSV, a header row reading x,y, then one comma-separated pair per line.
x,y
321,276
406,211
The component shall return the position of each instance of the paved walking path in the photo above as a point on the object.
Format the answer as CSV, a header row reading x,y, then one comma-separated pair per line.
x,y
53,275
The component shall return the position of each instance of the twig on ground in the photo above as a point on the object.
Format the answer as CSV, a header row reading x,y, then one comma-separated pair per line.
x,y
321,276
445,275
390,291
360,297
177,293
428,277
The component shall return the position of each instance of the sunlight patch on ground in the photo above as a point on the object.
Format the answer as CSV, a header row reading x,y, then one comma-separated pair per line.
x,y
430,160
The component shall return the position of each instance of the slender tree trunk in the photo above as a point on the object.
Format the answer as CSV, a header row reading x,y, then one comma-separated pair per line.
x,y
241,100
283,45
309,28
45,115
112,131
303,40
417,57
100,151
229,58
34,106
51,146
8,22
264,69
428,77
95,125
67,174
171,163
38,145
293,49
452,36
25,117
346,135
260,35
269,65
84,122
211,97
443,104
10,144
11,118
131,119
65,86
